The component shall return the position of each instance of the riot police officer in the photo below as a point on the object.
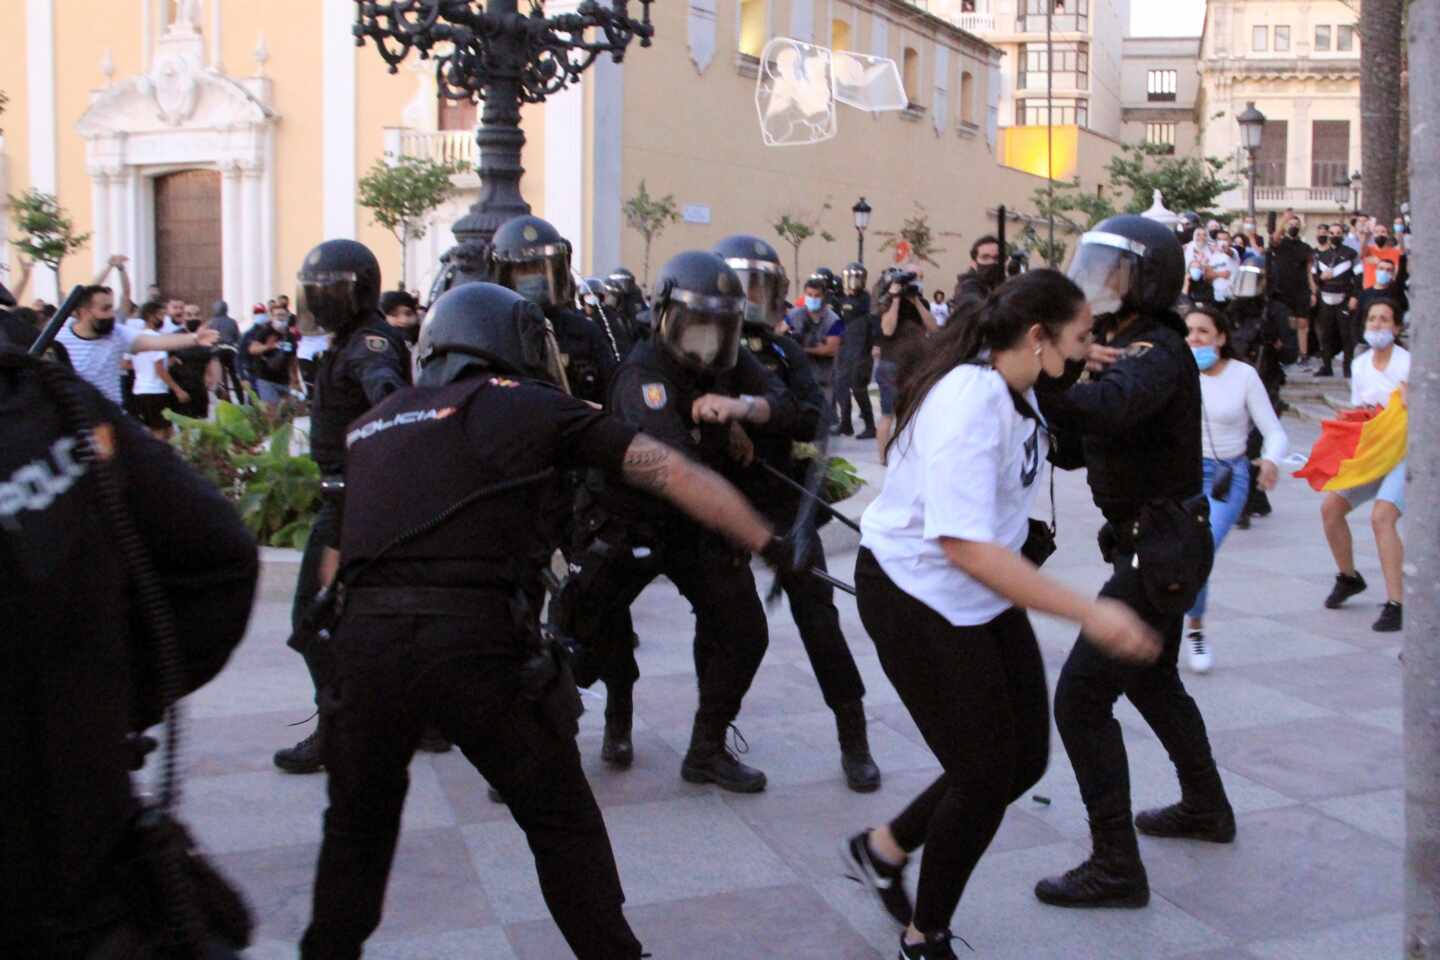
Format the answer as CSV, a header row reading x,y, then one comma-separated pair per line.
x,y
1261,325
368,359
629,299
440,589
102,530
596,306
812,601
856,365
528,255
1139,418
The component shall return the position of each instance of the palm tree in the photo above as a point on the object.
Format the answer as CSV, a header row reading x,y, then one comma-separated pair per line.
x,y
1381,63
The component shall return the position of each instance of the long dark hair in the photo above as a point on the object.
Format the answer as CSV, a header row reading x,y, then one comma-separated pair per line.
x,y
1221,323
1046,297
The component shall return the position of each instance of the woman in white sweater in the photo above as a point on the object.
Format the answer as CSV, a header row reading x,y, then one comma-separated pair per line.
x,y
1234,401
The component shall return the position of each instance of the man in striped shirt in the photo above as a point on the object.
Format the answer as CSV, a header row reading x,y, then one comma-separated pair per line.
x,y
96,343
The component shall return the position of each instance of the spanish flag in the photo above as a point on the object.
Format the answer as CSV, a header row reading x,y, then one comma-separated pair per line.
x,y
1359,448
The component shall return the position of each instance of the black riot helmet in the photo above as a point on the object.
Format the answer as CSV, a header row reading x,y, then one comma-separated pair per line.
x,y
485,325
337,288
1129,263
761,276
699,306
855,277
529,256
593,292
826,276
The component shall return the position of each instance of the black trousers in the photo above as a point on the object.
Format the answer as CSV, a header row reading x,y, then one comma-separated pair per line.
x,y
731,633
1085,696
812,604
1332,328
324,533
393,677
978,696
853,381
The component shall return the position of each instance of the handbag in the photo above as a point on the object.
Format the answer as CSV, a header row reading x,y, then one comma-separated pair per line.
x,y
1040,541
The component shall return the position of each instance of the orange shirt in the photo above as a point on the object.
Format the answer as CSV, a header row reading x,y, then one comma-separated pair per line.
x,y
1390,254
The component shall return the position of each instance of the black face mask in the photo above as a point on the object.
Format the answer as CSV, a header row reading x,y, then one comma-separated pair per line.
x,y
1214,234
411,335
1293,232
1382,241
192,325
992,273
1323,240
103,325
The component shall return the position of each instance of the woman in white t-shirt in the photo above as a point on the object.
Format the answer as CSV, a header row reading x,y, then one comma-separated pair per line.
x,y
943,590
1375,375
1233,400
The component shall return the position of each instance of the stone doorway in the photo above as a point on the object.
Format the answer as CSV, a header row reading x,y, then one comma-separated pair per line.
x,y
188,252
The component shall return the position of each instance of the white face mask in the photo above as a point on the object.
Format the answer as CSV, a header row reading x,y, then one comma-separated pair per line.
x,y
701,341
1379,339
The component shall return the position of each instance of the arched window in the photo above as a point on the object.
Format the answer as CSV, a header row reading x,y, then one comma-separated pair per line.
x,y
967,97
752,27
910,73
840,35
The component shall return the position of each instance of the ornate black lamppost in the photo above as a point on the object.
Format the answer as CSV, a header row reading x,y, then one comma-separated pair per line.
x,y
490,51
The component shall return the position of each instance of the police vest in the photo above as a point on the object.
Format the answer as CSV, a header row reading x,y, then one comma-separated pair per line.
x,y
339,396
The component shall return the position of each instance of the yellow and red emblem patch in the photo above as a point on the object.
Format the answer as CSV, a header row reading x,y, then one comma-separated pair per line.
x,y
654,394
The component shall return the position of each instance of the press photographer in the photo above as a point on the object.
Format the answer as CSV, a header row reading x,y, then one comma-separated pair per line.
x,y
905,318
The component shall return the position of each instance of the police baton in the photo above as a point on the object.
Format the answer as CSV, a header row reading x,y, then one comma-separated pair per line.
x,y
819,502
47,335
835,582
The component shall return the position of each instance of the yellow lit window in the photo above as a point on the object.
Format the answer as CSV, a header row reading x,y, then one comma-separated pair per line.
x,y
752,27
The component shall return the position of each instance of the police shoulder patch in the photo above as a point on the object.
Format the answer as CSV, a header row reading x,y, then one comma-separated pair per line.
x,y
503,382
377,344
655,396
1139,348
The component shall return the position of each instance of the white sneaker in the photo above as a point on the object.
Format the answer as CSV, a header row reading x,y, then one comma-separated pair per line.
x,y
1199,657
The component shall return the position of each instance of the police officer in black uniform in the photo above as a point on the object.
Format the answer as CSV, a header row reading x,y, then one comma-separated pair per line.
x,y
368,359
529,256
812,601
856,365
1336,267
440,590
1139,418
629,299
77,676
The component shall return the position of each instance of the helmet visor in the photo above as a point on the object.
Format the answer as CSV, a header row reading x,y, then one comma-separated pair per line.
x,y
765,286
539,274
855,279
1249,282
703,331
325,300
1105,269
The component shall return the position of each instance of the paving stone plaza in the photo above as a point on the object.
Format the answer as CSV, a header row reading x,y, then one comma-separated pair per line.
x,y
1303,708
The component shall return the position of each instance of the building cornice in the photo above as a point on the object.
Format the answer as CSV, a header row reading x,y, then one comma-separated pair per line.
x,y
1237,69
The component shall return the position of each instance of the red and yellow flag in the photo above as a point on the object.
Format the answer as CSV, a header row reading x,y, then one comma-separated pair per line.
x,y
1359,448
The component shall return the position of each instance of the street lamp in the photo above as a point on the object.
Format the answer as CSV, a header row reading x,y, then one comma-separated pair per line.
x,y
1252,131
1342,192
487,49
1355,181
861,210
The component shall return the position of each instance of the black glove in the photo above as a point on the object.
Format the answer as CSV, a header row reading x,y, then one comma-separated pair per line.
x,y
793,554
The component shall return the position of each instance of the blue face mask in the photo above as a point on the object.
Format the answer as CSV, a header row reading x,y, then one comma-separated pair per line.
x,y
813,304
1205,357
1196,273
1383,277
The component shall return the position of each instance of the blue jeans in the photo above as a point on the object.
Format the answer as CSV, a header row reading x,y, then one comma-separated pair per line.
x,y
1223,513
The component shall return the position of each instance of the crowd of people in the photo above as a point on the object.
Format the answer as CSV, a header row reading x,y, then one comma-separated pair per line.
x,y
646,436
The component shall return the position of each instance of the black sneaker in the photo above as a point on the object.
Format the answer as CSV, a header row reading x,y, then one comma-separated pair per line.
x,y
884,880
433,741
1179,822
867,434
1346,586
935,947
1325,372
1242,522
304,757
1391,618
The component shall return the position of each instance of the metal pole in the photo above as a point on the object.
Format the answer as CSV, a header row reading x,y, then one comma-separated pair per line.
x,y
1252,184
48,334
1050,125
860,245
1422,616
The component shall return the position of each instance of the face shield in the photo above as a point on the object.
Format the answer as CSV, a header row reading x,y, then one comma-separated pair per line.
x,y
1105,268
1248,283
539,274
765,286
854,280
703,331
325,300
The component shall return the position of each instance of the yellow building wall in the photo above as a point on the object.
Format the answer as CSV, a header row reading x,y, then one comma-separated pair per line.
x,y
15,123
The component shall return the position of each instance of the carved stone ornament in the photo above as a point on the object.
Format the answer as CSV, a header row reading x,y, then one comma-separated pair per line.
x,y
701,30
176,89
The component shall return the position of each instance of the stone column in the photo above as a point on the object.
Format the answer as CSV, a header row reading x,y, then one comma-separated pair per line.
x,y
231,243
250,244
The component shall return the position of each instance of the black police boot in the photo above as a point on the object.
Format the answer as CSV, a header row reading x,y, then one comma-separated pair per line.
x,y
304,757
710,760
861,773
867,434
1112,877
617,750
846,429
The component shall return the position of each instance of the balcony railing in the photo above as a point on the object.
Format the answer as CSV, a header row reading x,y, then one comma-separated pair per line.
x,y
1291,195
976,22
442,146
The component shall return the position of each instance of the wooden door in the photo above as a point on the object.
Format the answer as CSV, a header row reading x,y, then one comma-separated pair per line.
x,y
187,237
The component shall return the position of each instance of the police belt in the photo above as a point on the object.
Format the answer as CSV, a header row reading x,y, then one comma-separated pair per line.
x,y
429,601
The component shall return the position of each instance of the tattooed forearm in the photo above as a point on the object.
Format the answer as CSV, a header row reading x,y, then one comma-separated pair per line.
x,y
648,464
